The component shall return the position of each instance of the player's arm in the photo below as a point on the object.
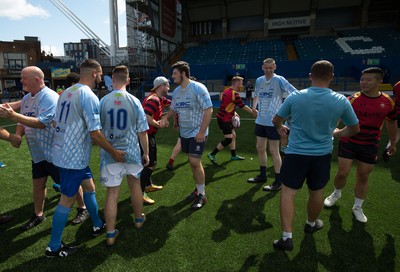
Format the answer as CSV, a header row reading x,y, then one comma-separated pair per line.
x,y
99,139
7,111
255,102
391,128
278,123
16,105
164,120
144,143
15,140
152,122
201,135
250,110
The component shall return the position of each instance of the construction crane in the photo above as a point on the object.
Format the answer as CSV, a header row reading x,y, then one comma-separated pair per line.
x,y
109,50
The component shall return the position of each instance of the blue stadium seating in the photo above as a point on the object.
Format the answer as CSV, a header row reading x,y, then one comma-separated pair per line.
x,y
232,51
372,42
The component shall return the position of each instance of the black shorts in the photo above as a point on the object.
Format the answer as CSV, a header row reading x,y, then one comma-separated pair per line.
x,y
193,148
363,153
398,120
226,127
298,168
44,169
266,132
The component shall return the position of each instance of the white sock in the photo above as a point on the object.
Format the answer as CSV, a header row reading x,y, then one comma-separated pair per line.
x,y
201,188
338,192
358,202
286,235
312,224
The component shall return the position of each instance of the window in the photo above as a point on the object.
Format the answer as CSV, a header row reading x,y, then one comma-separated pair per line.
x,y
14,60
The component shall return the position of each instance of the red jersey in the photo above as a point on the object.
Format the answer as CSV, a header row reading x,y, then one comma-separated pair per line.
x,y
230,99
153,106
371,112
396,93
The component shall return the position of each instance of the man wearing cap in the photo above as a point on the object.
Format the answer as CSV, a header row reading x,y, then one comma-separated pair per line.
x,y
153,106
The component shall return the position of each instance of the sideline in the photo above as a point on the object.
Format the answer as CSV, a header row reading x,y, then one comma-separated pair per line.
x,y
10,125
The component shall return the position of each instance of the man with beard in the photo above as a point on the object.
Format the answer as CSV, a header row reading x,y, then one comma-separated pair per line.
x,y
191,101
77,124
153,106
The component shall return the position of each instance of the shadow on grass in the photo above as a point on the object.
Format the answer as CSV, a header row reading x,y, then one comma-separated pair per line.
x,y
242,215
350,251
152,237
10,242
305,260
163,175
356,245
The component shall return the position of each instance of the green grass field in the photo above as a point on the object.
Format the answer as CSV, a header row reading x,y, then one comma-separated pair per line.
x,y
233,232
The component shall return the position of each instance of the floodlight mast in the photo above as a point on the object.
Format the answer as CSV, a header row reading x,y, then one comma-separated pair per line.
x,y
111,50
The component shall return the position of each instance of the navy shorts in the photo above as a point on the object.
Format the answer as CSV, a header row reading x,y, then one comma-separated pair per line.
x,y
266,132
193,148
71,179
226,127
363,153
44,169
298,168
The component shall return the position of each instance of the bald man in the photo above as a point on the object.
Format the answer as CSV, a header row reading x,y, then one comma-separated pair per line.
x,y
38,108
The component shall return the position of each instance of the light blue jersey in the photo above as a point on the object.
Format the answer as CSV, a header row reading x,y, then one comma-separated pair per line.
x,y
122,118
76,116
43,107
314,113
270,95
190,104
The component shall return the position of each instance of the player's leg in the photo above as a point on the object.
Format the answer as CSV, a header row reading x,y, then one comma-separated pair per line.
x,y
82,213
226,129
69,181
177,149
39,178
195,152
361,189
136,200
261,147
89,197
277,162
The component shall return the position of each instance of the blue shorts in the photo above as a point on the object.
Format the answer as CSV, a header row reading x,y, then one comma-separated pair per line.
x,y
297,168
44,169
266,132
71,179
193,148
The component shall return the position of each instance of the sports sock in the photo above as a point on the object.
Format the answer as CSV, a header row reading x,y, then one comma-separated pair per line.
x,y
201,188
233,152
60,218
278,178
286,235
358,202
92,208
263,171
338,192
171,162
215,151
312,224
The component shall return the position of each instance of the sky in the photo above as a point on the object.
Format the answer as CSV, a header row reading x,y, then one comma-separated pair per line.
x,y
40,18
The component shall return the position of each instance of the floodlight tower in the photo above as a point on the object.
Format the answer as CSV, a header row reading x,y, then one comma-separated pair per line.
x,y
114,37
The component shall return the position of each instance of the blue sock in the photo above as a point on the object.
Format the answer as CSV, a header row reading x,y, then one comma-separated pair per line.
x,y
60,218
263,171
92,208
